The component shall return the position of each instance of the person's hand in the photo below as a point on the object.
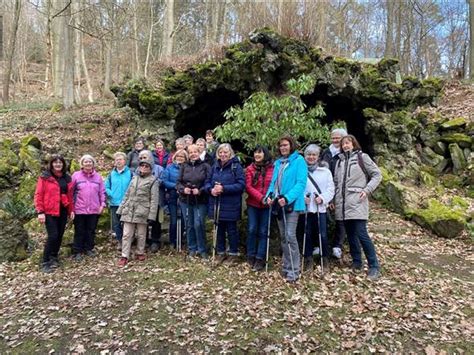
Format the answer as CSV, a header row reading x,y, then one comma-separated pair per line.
x,y
307,200
71,216
195,191
219,188
42,218
282,202
101,209
187,191
319,200
363,195
214,192
269,201
331,206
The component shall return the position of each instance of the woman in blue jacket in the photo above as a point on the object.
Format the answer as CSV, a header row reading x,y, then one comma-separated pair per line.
x,y
170,177
116,185
286,193
225,186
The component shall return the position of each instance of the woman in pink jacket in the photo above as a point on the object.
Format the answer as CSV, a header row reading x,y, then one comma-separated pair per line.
x,y
89,202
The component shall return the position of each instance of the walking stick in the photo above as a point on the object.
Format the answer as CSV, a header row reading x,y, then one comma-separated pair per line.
x,y
217,211
320,238
304,234
268,234
288,242
178,228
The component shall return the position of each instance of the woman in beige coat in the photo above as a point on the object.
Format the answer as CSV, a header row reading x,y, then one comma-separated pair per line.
x,y
138,209
356,176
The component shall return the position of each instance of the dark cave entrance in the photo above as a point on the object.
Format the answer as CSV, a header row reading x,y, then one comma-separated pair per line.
x,y
208,112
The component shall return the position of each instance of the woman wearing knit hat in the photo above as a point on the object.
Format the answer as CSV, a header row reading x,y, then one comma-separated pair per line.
x,y
89,202
138,209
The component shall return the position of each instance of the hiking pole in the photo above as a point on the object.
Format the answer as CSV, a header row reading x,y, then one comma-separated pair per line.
x,y
178,228
268,234
287,241
217,211
320,238
304,234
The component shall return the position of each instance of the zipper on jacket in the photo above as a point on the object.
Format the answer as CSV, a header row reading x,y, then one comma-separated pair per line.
x,y
344,180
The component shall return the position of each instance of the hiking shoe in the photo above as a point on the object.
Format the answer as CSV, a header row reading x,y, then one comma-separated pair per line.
x,y
308,264
204,256
233,259
373,274
337,252
356,267
291,281
259,265
54,263
91,253
122,262
154,248
316,251
141,257
192,254
220,259
251,260
46,268
77,257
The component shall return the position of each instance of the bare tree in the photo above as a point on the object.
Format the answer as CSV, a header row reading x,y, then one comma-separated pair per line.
x,y
10,52
168,30
471,40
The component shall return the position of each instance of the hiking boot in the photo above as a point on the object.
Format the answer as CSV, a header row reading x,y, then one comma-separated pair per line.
x,y
356,267
291,281
373,274
337,252
192,254
54,263
46,268
77,257
220,259
141,257
122,262
316,251
91,253
259,265
233,259
308,264
154,248
251,261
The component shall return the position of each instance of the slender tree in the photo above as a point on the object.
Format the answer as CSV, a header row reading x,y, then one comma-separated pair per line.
x,y
471,40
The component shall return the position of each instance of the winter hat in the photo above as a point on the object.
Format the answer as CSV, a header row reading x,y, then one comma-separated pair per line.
x,y
87,157
145,156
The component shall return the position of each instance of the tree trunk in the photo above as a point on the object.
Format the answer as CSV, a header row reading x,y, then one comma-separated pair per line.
x,y
471,40
168,28
108,70
77,53
10,53
150,39
390,6
138,70
68,50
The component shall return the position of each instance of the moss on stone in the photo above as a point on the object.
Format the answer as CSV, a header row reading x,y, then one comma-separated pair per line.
x,y
454,123
442,220
463,140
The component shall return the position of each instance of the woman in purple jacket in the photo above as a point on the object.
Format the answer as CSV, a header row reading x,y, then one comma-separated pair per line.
x,y
89,202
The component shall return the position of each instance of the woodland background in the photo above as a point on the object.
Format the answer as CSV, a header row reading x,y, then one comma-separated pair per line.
x,y
76,50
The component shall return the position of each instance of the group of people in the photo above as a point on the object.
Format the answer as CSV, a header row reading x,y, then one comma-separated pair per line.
x,y
206,178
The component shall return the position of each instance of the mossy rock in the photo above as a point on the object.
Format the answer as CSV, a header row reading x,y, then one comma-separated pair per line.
x,y
451,181
427,179
444,221
461,139
30,157
27,187
440,148
455,123
31,140
457,157
13,238
429,157
10,164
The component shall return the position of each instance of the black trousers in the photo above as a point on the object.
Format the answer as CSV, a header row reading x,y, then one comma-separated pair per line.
x,y
155,235
55,227
84,232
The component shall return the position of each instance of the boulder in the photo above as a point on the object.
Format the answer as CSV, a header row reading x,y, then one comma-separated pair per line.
x,y
455,123
429,157
13,238
440,148
444,221
457,156
461,139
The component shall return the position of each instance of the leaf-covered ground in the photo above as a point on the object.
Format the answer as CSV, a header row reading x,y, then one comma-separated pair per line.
x,y
423,303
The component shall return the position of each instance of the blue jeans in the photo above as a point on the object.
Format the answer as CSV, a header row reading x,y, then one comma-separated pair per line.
x,y
232,233
257,232
173,209
116,224
358,235
313,227
194,216
289,246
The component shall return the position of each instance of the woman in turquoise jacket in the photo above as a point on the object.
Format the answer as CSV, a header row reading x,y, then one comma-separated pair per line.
x,y
286,193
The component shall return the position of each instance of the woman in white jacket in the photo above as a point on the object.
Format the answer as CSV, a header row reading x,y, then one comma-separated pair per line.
x,y
318,193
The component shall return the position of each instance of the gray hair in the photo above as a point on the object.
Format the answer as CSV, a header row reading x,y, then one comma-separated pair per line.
x,y
120,155
188,136
179,141
201,140
340,131
225,146
312,149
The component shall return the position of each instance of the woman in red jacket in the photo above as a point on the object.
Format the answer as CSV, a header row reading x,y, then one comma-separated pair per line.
x,y
258,176
53,203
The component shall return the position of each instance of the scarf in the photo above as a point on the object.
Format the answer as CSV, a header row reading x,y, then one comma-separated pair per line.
x,y
260,170
334,151
283,166
160,154
61,179
312,167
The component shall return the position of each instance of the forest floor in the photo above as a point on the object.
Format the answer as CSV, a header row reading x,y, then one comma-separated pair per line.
x,y
423,302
